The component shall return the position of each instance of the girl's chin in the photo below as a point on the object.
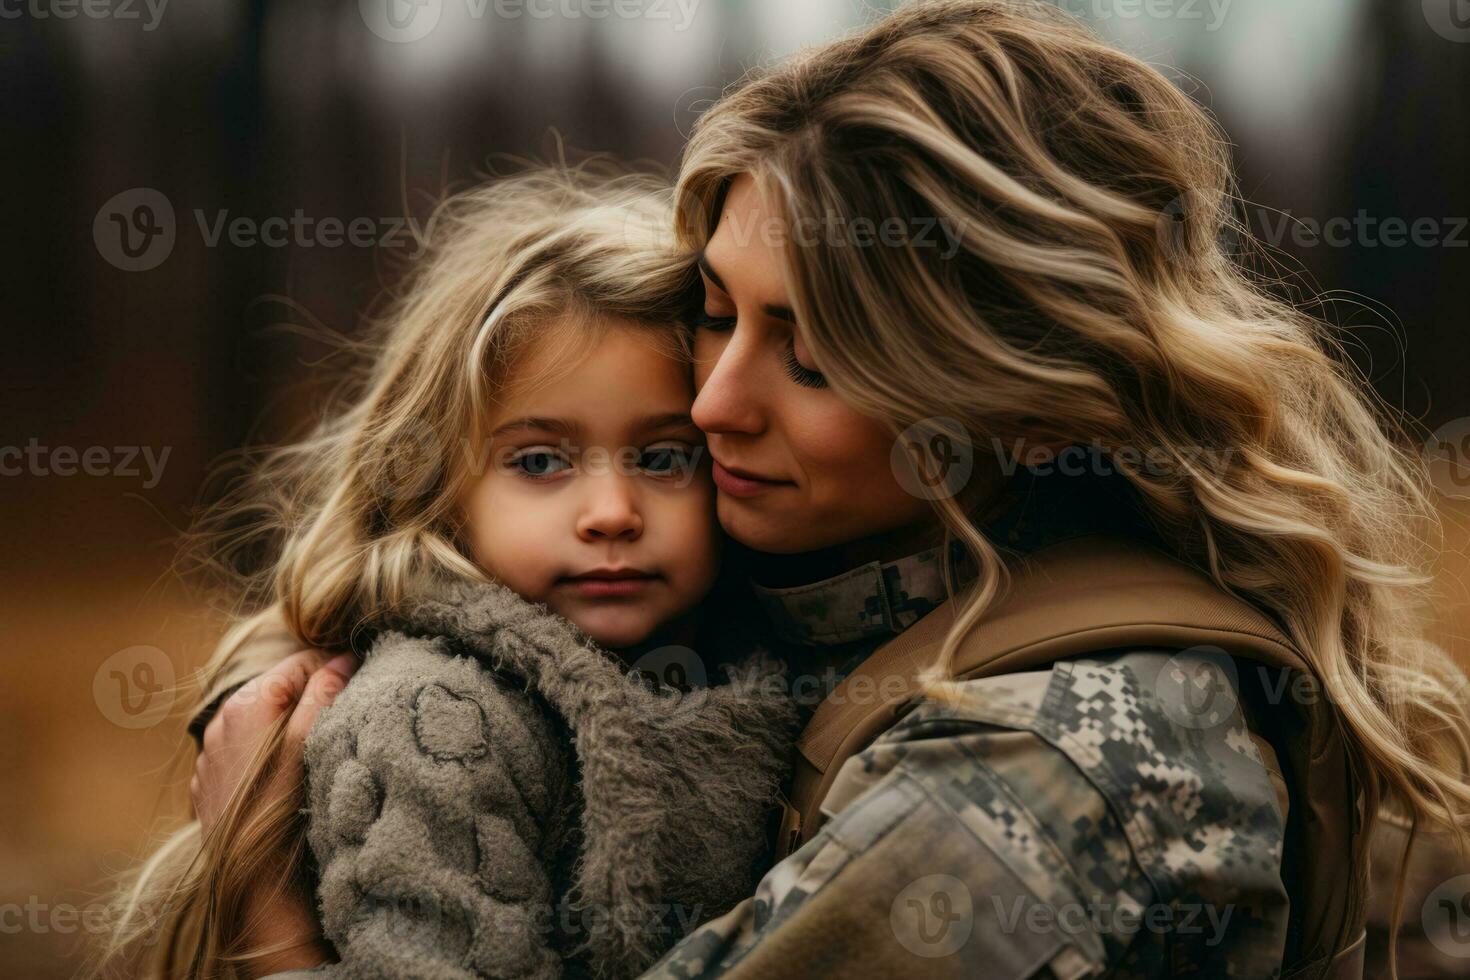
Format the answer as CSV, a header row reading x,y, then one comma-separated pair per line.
x,y
613,629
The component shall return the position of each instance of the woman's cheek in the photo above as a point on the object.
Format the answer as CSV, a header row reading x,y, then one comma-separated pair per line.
x,y
697,536
849,464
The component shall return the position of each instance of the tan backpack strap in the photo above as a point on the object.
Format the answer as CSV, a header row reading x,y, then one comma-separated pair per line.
x,y
1069,599
1075,597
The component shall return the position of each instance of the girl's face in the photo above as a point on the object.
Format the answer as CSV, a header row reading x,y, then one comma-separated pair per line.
x,y
596,497
797,468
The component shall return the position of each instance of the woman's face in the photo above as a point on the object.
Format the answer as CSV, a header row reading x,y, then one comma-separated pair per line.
x,y
796,468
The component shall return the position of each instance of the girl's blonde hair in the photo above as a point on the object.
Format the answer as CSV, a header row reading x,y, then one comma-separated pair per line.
x,y
1064,273
330,533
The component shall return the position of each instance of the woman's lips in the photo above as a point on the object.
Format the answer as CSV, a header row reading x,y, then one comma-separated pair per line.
x,y
742,484
601,586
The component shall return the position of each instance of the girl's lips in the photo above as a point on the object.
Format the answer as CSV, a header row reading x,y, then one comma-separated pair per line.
x,y
599,588
742,486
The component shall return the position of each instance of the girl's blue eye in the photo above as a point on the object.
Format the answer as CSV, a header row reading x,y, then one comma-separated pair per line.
x,y
665,461
540,464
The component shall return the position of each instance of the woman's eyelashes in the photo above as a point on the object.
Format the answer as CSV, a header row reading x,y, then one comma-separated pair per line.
x,y
804,376
795,370
719,324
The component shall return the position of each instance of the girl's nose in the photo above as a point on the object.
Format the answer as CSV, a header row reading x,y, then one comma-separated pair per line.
x,y
729,390
610,510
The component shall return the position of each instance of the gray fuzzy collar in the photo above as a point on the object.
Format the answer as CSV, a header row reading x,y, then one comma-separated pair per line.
x,y
676,789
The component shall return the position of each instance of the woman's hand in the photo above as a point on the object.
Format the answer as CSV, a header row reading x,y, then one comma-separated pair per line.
x,y
299,686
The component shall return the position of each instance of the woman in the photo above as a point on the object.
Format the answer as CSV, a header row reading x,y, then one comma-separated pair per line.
x,y
976,220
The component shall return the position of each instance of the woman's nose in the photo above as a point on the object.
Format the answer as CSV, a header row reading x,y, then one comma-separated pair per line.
x,y
610,510
729,393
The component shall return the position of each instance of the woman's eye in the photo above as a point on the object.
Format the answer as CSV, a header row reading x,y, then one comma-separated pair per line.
x,y
540,463
802,375
719,324
666,461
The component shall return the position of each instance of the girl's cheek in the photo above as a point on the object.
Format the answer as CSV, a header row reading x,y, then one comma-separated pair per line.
x,y
510,534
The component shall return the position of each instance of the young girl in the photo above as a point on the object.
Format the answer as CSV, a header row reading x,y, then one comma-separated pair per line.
x,y
520,476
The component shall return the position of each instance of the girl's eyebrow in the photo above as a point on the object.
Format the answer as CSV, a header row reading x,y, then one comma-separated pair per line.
x,y
562,427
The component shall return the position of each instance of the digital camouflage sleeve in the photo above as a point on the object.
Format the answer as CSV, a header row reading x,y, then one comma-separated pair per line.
x,y
1099,817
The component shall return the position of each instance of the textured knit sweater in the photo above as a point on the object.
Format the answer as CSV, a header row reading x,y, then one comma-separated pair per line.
x,y
494,796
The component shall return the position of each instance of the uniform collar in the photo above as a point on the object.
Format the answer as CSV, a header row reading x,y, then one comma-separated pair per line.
x,y
882,599
876,599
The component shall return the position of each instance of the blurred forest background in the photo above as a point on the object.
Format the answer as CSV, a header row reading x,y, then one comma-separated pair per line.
x,y
133,134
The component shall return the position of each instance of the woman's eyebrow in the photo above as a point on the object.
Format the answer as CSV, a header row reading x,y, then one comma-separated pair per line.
x,y
770,309
709,271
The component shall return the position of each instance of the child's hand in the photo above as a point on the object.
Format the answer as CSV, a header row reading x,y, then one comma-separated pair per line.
x,y
299,686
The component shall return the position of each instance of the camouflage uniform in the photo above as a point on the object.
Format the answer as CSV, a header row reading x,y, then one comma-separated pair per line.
x,y
1079,821
873,600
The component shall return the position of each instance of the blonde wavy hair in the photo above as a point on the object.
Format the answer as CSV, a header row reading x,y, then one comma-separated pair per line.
x,y
1094,285
330,533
